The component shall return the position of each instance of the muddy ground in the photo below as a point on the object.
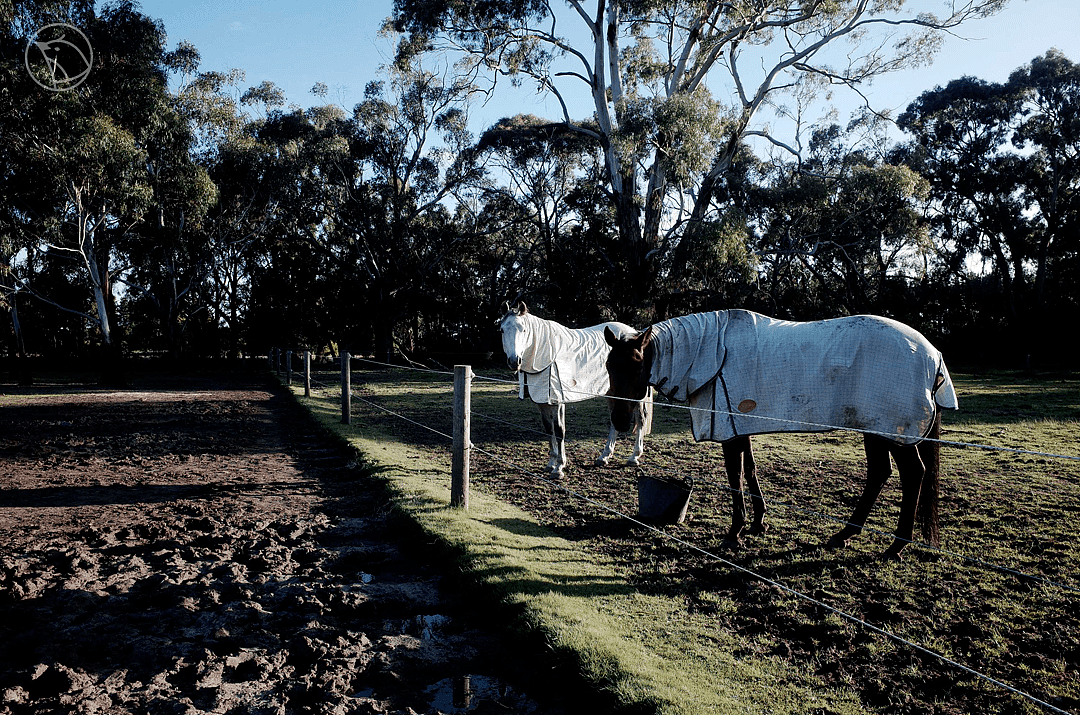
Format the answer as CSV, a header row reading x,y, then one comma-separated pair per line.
x,y
198,545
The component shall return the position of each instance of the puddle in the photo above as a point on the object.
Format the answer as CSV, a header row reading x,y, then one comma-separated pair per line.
x,y
463,693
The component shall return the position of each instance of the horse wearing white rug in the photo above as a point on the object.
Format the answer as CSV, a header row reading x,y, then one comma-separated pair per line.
x,y
745,374
558,365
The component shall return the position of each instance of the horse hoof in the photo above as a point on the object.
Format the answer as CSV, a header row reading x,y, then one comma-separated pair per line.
x,y
836,542
734,538
839,539
892,554
633,462
601,462
758,529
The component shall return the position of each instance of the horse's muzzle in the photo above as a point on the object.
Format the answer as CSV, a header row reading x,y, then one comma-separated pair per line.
x,y
514,363
622,416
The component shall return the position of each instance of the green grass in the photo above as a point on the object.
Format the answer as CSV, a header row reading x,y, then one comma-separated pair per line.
x,y
667,629
637,646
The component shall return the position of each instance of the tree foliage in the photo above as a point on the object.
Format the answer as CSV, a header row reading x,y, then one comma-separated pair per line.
x,y
655,71
169,208
1001,160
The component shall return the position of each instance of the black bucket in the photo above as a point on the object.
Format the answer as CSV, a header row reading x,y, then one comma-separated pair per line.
x,y
663,501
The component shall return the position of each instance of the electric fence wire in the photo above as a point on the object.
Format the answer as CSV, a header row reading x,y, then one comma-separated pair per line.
x,y
916,543
742,569
912,542
817,427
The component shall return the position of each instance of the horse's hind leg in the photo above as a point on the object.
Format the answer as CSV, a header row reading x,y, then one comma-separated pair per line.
x,y
878,469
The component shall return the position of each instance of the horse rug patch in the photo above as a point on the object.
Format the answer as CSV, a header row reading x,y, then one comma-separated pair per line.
x,y
565,365
744,373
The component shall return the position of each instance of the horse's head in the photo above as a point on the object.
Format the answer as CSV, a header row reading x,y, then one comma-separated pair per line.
x,y
628,365
514,329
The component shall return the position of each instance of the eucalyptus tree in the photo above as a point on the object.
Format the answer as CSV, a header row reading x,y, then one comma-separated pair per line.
x,y
544,168
842,232
166,256
676,86
413,159
1002,162
1048,132
87,155
961,133
285,194
245,172
32,121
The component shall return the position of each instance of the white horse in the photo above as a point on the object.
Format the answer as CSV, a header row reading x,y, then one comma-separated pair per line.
x,y
560,365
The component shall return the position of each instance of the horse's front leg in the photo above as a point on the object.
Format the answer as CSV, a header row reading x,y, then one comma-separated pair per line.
x,y
641,422
912,470
749,468
733,450
609,448
554,418
878,469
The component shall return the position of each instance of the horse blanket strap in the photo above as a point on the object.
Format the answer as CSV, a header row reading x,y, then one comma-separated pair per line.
x,y
744,373
565,365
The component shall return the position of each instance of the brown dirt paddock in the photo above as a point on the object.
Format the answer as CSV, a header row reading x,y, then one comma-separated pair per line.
x,y
197,544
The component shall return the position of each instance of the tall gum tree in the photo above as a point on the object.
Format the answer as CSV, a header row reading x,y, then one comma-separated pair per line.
x,y
1003,162
677,85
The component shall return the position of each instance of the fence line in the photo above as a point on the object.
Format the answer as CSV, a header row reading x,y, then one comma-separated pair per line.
x,y
742,569
825,427
918,544
983,447
819,427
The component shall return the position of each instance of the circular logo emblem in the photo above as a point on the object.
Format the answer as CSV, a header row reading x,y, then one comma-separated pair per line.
x,y
59,57
747,406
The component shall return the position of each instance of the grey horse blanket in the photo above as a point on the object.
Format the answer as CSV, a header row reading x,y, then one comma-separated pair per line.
x,y
564,364
745,373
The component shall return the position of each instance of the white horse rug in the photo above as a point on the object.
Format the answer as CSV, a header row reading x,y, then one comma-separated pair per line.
x,y
567,365
745,373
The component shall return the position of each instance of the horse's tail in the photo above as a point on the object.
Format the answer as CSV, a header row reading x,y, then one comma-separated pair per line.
x,y
929,497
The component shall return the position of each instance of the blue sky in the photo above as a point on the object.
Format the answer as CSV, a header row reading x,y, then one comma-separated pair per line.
x,y
296,44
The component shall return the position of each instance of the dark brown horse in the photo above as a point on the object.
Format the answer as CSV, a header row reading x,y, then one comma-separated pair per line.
x,y
745,374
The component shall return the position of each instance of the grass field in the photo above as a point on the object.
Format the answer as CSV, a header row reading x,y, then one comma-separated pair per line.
x,y
712,628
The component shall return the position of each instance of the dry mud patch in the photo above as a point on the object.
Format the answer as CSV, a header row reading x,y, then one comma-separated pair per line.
x,y
200,546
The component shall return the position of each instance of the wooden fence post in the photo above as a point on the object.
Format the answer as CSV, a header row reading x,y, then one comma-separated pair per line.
x,y
459,467
307,373
346,389
288,367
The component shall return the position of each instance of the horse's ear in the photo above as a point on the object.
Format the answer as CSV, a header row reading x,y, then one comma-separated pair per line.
x,y
522,309
610,337
506,308
646,337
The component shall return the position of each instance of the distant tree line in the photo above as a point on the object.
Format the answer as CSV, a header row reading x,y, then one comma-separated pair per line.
x,y
160,208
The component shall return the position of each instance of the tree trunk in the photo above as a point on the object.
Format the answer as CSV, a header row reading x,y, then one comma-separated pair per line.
x,y
634,285
22,366
691,235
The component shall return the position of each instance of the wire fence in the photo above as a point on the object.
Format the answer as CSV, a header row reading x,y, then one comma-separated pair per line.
x,y
712,556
